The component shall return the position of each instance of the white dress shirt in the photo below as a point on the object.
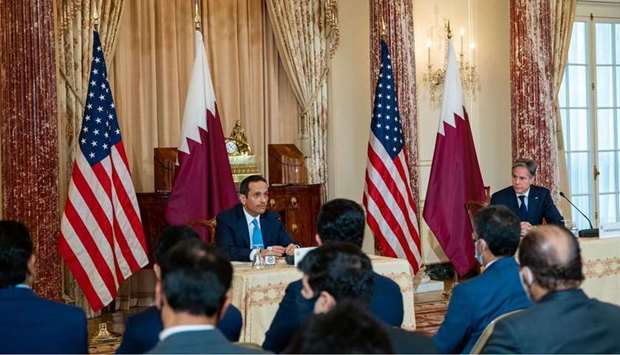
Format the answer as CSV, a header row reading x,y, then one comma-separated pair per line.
x,y
184,328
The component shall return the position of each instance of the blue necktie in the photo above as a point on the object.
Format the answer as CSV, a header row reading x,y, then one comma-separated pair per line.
x,y
257,236
522,209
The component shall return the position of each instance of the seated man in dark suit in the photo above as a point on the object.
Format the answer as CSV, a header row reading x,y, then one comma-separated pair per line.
x,y
564,319
338,272
142,329
476,302
28,323
530,202
339,220
193,289
249,225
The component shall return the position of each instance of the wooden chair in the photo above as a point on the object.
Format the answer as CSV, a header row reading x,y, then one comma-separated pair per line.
x,y
210,224
488,331
473,207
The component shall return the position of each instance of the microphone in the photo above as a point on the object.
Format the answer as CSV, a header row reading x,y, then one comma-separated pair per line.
x,y
584,233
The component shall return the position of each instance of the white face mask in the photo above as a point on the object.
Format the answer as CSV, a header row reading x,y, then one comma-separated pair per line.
x,y
477,253
526,284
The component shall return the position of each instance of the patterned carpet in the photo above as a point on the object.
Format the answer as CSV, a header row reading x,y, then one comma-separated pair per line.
x,y
429,315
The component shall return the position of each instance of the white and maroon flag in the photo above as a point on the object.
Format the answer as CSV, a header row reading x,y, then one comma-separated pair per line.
x,y
203,184
455,175
101,238
391,211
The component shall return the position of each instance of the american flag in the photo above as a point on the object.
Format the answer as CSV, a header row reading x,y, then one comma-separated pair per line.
x,y
101,240
391,211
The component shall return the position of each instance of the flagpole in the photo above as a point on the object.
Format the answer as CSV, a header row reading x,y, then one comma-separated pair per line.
x,y
197,19
96,18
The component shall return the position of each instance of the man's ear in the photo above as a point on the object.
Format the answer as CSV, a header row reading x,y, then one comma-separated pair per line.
x,y
324,303
159,297
224,307
157,271
242,198
319,242
32,268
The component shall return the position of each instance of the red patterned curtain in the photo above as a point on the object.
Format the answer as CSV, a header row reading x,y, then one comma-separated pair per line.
x,y
29,131
533,125
398,18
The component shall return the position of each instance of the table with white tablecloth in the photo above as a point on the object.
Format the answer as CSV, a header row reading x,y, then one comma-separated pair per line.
x,y
258,292
601,268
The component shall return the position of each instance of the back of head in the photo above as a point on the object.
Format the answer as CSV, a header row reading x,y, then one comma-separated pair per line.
x,y
195,278
341,220
341,269
553,256
346,329
170,236
15,252
500,228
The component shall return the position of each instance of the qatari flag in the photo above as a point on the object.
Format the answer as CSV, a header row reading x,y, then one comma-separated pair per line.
x,y
203,185
455,175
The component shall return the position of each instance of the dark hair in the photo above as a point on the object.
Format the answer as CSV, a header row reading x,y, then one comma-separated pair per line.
x,y
500,228
195,278
551,269
244,188
15,251
346,329
341,220
529,164
170,236
341,269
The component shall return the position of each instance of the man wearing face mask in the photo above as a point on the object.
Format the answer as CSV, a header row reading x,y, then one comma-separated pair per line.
x,y
564,319
476,302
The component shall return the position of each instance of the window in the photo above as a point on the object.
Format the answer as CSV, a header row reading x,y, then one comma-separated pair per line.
x,y
590,113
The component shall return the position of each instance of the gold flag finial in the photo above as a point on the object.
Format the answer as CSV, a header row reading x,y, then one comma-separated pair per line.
x,y
197,21
448,30
96,17
383,27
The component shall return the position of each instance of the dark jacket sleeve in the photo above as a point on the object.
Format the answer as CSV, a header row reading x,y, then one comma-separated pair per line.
x,y
387,301
282,236
225,240
551,213
129,343
230,324
455,328
83,333
292,312
502,341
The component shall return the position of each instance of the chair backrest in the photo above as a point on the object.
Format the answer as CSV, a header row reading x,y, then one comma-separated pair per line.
x,y
210,224
488,331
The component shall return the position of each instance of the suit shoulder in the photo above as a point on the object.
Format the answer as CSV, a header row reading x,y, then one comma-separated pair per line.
x,y
67,311
382,282
230,214
540,190
294,286
503,192
146,317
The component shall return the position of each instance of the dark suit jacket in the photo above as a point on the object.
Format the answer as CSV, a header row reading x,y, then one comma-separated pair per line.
x,y
476,302
539,205
142,329
232,236
30,324
386,305
199,342
563,322
406,342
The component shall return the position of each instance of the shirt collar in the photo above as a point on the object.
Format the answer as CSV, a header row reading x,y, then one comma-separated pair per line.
x,y
184,328
249,218
526,193
22,286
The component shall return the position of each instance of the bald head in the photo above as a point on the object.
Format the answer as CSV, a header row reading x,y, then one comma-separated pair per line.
x,y
553,255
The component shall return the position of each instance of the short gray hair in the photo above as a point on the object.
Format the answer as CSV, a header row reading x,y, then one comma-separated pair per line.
x,y
529,164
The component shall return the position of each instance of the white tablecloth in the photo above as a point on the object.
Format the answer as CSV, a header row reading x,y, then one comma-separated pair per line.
x,y
257,293
601,268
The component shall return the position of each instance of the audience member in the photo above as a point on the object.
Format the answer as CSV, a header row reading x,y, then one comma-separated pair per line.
x,y
30,324
142,329
249,225
338,272
339,220
564,319
476,302
346,329
192,292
